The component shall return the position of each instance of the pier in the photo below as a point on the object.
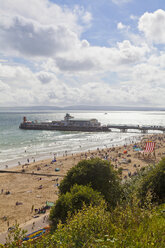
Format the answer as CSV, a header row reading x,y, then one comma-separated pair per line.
x,y
106,128
144,129
91,125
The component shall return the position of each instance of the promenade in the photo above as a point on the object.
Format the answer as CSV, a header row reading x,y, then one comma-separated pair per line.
x,y
30,226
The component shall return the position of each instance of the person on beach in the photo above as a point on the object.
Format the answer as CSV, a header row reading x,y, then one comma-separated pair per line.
x,y
32,208
33,225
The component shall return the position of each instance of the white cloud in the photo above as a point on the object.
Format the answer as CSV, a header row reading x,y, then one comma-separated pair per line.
x,y
152,24
45,77
85,43
59,68
43,12
75,65
3,87
131,53
158,60
40,28
133,17
25,34
138,84
86,17
122,27
101,58
28,37
119,2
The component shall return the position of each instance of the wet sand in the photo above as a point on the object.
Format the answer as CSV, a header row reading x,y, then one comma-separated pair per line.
x,y
21,194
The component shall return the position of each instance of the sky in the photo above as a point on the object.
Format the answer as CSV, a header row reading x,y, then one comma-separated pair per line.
x,y
82,52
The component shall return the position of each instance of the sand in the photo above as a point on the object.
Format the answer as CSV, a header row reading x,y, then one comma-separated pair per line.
x,y
31,192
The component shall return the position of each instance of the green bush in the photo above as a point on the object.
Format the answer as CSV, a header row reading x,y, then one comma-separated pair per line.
x,y
131,185
127,225
95,227
97,173
82,228
73,201
153,182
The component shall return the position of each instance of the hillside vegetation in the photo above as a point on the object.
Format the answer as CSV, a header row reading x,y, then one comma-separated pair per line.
x,y
96,209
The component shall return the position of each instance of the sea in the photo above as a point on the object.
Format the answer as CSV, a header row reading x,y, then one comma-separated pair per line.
x,y
17,146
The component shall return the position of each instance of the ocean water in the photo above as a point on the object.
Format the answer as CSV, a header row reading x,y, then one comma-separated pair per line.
x,y
19,145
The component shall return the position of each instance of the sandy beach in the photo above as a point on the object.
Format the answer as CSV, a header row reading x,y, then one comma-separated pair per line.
x,y
21,194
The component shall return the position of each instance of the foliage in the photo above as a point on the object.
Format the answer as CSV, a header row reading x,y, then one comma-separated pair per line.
x,y
73,201
129,224
148,181
95,227
97,173
14,237
120,171
154,182
131,185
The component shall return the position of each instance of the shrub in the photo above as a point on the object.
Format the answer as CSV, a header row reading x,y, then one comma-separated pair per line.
x,y
82,228
97,173
73,201
95,227
154,182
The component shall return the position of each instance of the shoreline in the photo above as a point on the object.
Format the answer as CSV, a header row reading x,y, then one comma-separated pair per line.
x,y
50,154
32,191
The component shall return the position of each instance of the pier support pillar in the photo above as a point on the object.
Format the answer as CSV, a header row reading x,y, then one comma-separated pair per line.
x,y
144,131
123,130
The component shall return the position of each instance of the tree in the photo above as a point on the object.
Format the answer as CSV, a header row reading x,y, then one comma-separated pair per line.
x,y
154,182
97,173
73,201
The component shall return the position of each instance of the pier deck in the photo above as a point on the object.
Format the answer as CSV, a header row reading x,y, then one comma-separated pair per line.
x,y
105,128
144,129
